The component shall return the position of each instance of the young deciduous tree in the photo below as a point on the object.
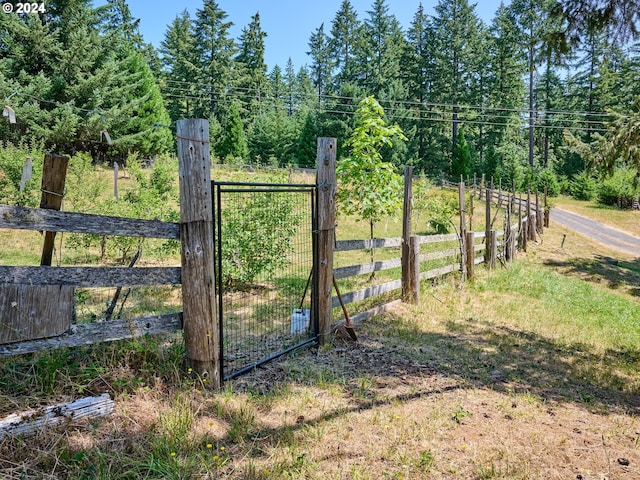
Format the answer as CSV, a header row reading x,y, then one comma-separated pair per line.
x,y
370,188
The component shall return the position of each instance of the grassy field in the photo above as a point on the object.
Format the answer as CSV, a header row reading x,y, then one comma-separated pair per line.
x,y
529,372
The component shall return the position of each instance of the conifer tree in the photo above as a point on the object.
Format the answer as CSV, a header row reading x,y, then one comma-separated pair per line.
x,y
234,142
253,70
180,67
322,63
216,50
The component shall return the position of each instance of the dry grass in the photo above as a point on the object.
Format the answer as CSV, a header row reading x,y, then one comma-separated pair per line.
x,y
526,373
479,382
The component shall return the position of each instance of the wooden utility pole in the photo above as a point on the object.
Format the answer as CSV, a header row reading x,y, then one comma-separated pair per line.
x,y
54,174
200,318
327,190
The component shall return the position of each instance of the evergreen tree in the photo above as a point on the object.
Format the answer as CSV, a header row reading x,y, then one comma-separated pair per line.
x,y
216,51
383,47
346,43
253,77
418,68
180,67
458,45
461,163
234,141
321,60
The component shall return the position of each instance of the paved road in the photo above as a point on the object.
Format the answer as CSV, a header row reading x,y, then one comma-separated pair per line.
x,y
597,231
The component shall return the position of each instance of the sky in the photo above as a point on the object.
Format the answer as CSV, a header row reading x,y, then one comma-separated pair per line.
x,y
288,23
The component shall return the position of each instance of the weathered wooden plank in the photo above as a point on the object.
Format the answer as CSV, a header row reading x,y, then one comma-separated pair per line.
x,y
367,292
24,218
31,312
425,257
201,338
407,257
90,276
350,271
32,421
91,333
438,272
326,152
358,318
450,237
54,174
346,245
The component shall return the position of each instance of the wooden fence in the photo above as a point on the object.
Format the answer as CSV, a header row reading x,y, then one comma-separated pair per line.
x,y
198,319
489,246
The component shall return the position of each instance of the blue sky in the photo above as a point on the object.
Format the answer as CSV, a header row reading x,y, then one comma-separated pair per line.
x,y
288,23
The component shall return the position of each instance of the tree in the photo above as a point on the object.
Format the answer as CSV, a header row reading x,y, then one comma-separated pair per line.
x,y
619,18
461,164
253,77
180,67
370,188
383,45
458,46
215,51
321,60
346,43
234,141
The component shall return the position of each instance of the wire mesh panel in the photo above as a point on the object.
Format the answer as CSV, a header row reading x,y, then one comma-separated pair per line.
x,y
264,263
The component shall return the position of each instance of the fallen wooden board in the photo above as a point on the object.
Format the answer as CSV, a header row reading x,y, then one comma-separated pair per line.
x,y
32,421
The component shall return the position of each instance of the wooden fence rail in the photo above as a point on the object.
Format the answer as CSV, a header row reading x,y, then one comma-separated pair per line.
x,y
199,317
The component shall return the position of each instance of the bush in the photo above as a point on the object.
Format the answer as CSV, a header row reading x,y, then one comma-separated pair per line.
x,y
440,211
583,187
12,159
546,179
619,188
257,229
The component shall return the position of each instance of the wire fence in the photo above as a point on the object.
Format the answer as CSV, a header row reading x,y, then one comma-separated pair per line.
x,y
264,238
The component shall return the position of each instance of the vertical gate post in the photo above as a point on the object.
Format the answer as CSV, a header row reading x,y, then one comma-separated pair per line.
x,y
406,234
200,320
54,174
327,189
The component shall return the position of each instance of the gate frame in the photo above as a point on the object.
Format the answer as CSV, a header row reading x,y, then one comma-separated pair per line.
x,y
217,189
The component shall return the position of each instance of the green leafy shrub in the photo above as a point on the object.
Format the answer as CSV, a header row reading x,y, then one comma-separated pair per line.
x,y
440,211
257,231
619,188
583,186
12,158
546,179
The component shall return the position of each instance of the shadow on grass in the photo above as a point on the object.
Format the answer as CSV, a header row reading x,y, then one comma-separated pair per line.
x,y
472,354
616,274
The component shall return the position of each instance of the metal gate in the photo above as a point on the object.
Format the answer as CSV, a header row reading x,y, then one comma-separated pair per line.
x,y
264,262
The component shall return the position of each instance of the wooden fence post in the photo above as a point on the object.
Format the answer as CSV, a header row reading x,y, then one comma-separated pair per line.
x,y
200,318
116,169
327,189
487,226
407,289
463,229
531,221
471,254
539,214
54,174
494,248
414,269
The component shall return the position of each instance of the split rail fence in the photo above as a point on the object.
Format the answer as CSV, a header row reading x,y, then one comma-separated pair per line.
x,y
46,292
